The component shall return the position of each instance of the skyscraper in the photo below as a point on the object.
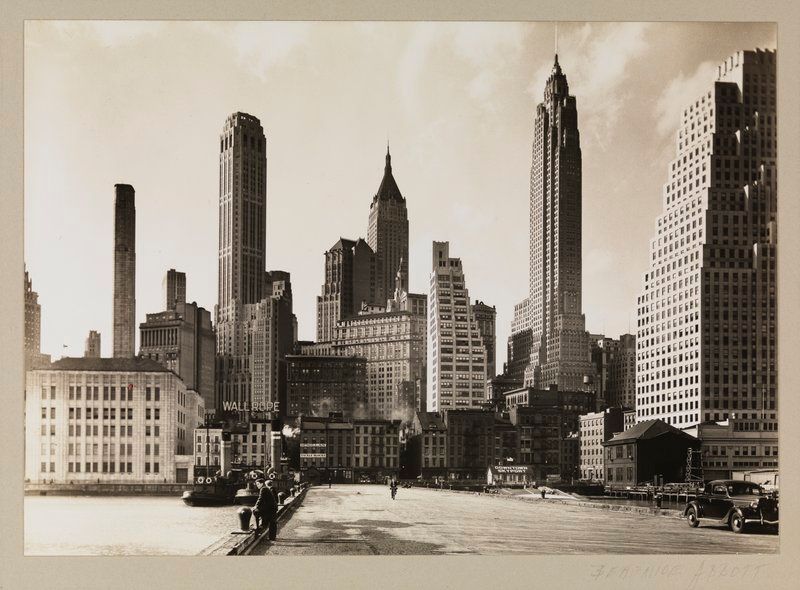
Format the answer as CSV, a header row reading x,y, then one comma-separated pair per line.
x,y
349,281
456,354
242,213
388,233
174,286
519,343
33,328
124,271
706,342
92,349
271,326
485,315
560,345
33,320
182,340
614,361
245,287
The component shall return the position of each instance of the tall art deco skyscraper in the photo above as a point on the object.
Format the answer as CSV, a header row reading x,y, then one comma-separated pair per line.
x,y
242,241
124,271
388,233
706,345
560,352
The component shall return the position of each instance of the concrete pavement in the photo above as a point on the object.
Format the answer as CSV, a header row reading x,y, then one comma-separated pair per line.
x,y
363,520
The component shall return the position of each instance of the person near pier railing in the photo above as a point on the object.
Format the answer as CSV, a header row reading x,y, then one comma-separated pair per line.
x,y
266,508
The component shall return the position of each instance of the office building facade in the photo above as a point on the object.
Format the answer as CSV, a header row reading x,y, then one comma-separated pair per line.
x,y
595,429
174,288
614,361
183,341
485,316
559,343
109,420
456,353
706,343
319,385
393,341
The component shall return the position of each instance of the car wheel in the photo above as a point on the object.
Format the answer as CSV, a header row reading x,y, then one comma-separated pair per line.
x,y
737,522
691,517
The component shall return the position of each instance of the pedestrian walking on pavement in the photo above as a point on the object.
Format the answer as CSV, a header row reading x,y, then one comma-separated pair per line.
x,y
393,487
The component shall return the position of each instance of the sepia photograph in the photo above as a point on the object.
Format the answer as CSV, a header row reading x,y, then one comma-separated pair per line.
x,y
306,288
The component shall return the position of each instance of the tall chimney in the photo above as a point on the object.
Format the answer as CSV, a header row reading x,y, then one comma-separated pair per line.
x,y
124,271
225,457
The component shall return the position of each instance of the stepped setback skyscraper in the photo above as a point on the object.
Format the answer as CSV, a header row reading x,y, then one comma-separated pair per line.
x,y
456,352
388,233
124,271
706,344
253,304
560,353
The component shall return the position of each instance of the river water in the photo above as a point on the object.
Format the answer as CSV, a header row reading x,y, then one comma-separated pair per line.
x,y
122,525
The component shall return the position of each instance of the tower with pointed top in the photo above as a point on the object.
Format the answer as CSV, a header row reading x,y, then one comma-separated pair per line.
x,y
388,232
560,353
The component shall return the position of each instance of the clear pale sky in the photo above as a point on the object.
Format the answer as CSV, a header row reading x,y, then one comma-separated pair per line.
x,y
144,102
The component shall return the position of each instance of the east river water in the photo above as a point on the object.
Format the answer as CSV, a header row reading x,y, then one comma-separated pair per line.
x,y
122,525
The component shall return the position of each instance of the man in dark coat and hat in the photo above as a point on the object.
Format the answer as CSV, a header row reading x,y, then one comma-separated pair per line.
x,y
266,509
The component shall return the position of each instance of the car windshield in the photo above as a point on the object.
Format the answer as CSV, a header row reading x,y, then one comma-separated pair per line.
x,y
744,489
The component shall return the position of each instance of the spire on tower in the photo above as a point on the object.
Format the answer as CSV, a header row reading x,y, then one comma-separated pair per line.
x,y
399,278
556,67
555,40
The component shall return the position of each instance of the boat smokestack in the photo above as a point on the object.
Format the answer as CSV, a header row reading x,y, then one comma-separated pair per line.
x,y
275,447
225,456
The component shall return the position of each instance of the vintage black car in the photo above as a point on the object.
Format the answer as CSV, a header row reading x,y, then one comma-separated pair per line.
x,y
737,504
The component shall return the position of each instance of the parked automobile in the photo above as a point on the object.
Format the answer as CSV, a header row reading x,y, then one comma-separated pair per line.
x,y
737,504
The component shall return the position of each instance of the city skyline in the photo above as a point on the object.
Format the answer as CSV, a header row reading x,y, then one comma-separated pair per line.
x,y
441,178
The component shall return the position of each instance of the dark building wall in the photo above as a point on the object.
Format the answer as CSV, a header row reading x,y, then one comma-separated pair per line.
x,y
485,317
350,277
319,385
470,442
641,460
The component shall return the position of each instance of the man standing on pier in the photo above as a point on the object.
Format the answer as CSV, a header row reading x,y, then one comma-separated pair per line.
x,y
266,509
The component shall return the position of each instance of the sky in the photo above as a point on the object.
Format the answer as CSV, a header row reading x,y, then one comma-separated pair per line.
x,y
144,102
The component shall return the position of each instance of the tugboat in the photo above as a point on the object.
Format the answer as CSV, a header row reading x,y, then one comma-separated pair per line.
x,y
214,491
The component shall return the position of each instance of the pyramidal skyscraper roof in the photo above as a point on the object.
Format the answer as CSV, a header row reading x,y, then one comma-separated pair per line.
x,y
388,190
